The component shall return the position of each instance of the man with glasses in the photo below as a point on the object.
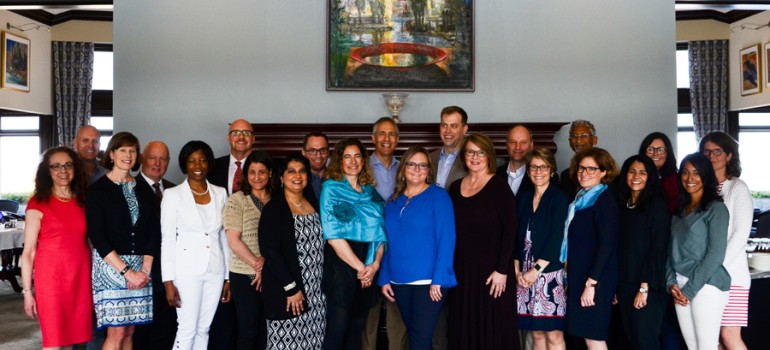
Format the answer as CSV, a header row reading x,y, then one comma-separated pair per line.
x,y
315,147
519,143
227,173
159,334
385,166
454,125
86,145
228,169
582,136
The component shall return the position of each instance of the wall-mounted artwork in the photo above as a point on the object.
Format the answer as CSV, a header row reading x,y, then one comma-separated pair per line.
x,y
15,62
398,45
751,82
766,68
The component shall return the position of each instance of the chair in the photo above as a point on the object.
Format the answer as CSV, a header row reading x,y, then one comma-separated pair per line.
x,y
9,205
763,224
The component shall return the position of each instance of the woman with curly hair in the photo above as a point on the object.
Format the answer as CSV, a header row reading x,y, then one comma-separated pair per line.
x,y
354,228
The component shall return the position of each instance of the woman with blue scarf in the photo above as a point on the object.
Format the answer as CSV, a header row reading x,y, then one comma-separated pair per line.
x,y
353,225
589,248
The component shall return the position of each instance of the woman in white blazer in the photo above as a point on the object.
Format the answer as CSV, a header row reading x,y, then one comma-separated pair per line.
x,y
194,247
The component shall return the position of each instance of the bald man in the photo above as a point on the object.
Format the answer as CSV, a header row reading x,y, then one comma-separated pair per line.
x,y
519,143
240,136
86,145
161,332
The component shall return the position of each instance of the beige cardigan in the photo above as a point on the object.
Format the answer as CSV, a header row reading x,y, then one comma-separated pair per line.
x,y
243,216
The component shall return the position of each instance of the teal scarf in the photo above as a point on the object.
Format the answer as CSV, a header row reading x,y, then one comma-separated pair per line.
x,y
350,215
584,199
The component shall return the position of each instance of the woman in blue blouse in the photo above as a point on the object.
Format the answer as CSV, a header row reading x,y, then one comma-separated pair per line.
x,y
695,276
542,302
417,268
353,225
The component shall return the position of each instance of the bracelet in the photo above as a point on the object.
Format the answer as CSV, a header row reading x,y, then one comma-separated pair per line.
x,y
146,273
227,281
125,269
25,291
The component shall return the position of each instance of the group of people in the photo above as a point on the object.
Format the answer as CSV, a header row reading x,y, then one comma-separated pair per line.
x,y
303,252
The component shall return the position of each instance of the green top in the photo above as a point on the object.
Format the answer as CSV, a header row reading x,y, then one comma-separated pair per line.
x,y
697,249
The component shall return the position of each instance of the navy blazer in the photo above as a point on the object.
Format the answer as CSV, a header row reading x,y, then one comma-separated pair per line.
x,y
109,220
546,225
219,174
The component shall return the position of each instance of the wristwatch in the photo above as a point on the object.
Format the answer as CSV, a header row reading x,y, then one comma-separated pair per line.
x,y
643,290
538,267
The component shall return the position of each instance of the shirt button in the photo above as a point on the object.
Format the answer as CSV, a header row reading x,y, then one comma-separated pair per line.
x,y
132,251
208,247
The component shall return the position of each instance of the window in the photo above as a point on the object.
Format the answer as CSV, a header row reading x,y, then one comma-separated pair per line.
x,y
754,131
682,69
19,154
104,125
686,142
101,101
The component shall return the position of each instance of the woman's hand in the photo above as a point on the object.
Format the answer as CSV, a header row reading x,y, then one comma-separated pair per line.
x,y
589,292
435,292
225,292
367,274
172,294
136,280
679,297
520,280
294,303
496,282
640,300
387,291
530,277
30,305
259,265
257,281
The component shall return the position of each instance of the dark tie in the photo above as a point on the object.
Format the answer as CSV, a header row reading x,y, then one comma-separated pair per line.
x,y
158,192
237,177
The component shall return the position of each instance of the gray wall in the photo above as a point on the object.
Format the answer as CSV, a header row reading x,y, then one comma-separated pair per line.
x,y
184,69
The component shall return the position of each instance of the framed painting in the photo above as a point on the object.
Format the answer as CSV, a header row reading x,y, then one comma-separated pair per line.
x,y
15,62
751,81
766,68
400,45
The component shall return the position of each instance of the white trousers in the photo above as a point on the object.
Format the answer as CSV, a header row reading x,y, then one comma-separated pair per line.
x,y
701,319
200,298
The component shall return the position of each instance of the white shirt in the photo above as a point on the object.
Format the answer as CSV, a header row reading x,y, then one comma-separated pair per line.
x,y
515,177
152,182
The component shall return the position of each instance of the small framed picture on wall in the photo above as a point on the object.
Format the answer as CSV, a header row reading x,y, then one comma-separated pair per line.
x,y
765,67
15,62
751,81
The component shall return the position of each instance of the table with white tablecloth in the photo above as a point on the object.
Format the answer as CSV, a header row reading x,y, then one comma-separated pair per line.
x,y
11,242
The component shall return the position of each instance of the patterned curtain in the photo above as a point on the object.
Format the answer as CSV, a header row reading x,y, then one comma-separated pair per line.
x,y
708,85
73,67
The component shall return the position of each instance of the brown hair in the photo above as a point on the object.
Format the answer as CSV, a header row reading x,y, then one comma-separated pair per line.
x,y
44,181
334,171
601,157
119,140
546,155
401,179
485,143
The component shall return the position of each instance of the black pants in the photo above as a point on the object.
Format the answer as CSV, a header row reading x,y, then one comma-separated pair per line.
x,y
642,327
419,312
250,316
344,325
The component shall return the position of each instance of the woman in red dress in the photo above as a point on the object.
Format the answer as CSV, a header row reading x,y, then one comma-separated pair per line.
x,y
56,252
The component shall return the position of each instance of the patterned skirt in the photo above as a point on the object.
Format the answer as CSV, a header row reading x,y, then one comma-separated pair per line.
x,y
543,306
114,303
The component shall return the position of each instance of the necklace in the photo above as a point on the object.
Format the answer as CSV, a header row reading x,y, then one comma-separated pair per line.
x,y
199,194
298,204
631,205
62,199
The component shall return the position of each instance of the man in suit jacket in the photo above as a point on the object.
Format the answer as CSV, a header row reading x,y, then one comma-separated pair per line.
x,y
86,145
241,137
161,332
446,163
582,136
519,143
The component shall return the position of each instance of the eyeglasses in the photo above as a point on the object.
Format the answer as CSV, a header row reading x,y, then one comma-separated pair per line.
x,y
580,136
471,153
656,150
246,133
588,169
315,151
413,165
57,166
716,151
538,168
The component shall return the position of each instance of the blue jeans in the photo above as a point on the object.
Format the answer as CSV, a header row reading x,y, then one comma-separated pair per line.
x,y
419,312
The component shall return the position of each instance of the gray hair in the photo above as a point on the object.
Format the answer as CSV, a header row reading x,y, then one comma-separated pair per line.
x,y
579,122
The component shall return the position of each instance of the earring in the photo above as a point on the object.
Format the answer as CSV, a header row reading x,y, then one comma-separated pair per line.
x,y
427,179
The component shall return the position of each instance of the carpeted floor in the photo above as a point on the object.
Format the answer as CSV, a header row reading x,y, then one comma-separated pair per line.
x,y
17,331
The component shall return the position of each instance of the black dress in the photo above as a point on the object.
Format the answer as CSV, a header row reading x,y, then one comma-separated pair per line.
x,y
592,252
486,235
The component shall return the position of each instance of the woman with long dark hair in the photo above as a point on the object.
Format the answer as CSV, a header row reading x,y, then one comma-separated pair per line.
x,y
722,150
643,237
56,252
695,276
657,146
